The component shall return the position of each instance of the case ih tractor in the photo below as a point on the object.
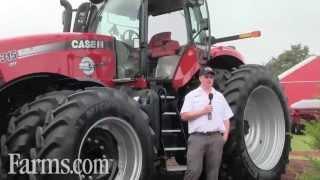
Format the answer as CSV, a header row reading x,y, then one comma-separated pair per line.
x,y
107,90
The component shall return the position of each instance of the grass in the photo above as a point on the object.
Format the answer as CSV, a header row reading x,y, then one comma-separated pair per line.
x,y
309,142
310,175
301,143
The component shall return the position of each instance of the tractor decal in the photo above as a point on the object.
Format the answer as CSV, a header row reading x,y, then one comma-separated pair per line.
x,y
12,56
87,66
8,57
90,44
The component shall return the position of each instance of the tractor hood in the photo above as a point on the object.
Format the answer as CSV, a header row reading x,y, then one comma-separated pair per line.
x,y
68,40
76,55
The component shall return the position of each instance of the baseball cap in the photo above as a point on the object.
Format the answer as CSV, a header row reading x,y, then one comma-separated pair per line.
x,y
206,70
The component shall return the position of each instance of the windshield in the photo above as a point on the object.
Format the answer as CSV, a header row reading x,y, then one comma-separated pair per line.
x,y
120,19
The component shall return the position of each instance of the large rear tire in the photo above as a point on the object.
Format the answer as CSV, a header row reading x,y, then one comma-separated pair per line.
x,y
22,126
101,123
259,143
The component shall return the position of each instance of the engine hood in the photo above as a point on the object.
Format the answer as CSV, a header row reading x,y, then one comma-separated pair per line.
x,y
77,55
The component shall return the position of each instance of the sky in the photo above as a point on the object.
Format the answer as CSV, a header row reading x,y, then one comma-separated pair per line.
x,y
282,22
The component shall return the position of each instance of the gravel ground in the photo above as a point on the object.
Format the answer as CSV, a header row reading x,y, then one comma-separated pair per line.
x,y
297,165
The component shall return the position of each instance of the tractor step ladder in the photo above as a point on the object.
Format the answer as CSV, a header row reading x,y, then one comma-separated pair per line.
x,y
172,134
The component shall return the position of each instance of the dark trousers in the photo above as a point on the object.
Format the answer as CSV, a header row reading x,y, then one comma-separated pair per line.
x,y
204,150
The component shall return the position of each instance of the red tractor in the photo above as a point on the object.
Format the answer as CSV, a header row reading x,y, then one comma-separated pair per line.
x,y
108,90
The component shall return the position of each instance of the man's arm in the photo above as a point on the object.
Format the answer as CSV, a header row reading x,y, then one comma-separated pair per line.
x,y
228,114
188,116
227,130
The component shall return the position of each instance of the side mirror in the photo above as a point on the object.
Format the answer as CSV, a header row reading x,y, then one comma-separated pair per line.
x,y
96,1
67,15
204,24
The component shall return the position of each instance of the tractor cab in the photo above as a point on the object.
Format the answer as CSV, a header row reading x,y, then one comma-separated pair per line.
x,y
148,38
174,28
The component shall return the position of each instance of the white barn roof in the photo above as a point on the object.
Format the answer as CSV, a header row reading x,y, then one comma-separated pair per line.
x,y
297,66
306,104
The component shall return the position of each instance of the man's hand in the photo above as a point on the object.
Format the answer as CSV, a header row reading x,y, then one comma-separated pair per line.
x,y
227,128
207,109
225,137
188,116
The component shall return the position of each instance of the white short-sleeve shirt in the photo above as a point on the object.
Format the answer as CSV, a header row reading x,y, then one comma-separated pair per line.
x,y
196,100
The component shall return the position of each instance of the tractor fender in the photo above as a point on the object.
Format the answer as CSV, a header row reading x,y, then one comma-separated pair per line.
x,y
51,80
225,57
15,93
226,51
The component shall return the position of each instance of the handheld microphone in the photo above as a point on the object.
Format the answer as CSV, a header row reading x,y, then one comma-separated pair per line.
x,y
210,99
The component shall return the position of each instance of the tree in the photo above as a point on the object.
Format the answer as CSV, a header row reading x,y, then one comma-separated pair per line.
x,y
287,59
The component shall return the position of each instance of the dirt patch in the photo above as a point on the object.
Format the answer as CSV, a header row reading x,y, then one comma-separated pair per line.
x,y
299,163
310,154
295,168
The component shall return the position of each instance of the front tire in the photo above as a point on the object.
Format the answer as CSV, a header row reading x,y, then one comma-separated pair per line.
x,y
259,142
22,127
101,123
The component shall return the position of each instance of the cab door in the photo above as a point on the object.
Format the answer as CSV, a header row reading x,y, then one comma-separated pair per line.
x,y
197,51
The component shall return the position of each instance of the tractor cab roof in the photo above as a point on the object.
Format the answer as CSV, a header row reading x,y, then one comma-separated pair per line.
x,y
158,7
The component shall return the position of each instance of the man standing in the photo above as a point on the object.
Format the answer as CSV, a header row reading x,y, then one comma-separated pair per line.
x,y
207,113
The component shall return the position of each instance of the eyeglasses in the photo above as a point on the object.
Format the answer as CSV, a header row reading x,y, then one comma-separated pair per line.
x,y
208,76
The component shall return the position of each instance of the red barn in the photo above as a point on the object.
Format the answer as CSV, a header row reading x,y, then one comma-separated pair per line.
x,y
302,81
301,85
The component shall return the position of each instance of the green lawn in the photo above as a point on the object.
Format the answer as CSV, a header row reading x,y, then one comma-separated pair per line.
x,y
300,143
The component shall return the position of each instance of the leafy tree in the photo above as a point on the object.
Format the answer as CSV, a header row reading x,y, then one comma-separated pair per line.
x,y
287,59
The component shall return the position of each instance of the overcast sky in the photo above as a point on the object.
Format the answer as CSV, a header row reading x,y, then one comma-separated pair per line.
x,y
282,22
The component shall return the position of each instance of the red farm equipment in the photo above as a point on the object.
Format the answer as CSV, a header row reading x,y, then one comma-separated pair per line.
x,y
106,90
302,111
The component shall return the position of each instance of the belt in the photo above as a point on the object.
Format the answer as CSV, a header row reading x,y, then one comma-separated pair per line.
x,y
207,133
